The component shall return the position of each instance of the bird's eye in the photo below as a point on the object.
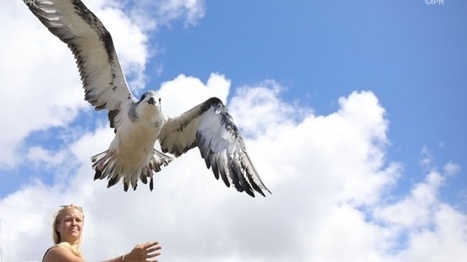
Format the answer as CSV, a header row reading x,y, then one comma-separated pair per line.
x,y
143,96
159,100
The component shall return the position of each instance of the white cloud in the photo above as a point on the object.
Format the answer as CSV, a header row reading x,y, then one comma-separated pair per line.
x,y
260,101
451,168
190,11
426,157
41,156
24,58
193,90
445,241
322,171
417,208
433,229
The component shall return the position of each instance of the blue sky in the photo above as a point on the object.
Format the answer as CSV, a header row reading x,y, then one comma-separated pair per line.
x,y
410,54
353,113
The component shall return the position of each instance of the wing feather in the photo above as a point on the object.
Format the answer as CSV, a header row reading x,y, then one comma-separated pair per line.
x,y
210,127
92,46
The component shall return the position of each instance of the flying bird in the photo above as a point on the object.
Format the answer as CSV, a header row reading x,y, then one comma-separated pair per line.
x,y
138,124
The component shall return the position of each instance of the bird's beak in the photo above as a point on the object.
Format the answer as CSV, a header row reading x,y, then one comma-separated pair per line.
x,y
152,101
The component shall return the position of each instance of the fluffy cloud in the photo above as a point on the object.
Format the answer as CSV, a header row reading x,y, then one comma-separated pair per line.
x,y
328,176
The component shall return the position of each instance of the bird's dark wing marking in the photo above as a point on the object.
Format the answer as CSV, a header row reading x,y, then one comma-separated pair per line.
x,y
210,127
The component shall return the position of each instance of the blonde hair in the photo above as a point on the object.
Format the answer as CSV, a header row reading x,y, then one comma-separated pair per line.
x,y
75,247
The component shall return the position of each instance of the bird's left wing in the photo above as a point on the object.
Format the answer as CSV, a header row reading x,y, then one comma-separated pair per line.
x,y
210,127
103,80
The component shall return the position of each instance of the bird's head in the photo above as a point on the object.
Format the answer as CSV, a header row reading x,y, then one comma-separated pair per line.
x,y
150,98
149,104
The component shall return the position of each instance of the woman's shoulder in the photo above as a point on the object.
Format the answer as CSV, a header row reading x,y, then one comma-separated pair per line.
x,y
60,253
47,251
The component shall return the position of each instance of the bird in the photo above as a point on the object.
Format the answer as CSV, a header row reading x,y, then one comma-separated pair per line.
x,y
139,123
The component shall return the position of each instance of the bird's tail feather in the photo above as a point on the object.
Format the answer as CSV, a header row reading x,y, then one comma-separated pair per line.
x,y
104,165
158,159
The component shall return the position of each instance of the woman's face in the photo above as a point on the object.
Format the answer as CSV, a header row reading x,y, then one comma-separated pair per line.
x,y
70,225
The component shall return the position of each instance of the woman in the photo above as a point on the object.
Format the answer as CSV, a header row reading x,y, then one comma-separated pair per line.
x,y
67,227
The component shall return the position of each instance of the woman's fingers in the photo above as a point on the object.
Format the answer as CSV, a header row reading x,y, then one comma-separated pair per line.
x,y
151,249
154,248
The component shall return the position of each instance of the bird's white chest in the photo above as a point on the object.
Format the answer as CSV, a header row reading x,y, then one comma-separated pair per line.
x,y
134,142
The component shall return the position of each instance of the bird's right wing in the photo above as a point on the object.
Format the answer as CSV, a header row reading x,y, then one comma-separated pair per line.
x,y
103,80
210,127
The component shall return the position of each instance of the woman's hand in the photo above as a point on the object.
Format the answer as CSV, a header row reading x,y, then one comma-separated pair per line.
x,y
144,253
